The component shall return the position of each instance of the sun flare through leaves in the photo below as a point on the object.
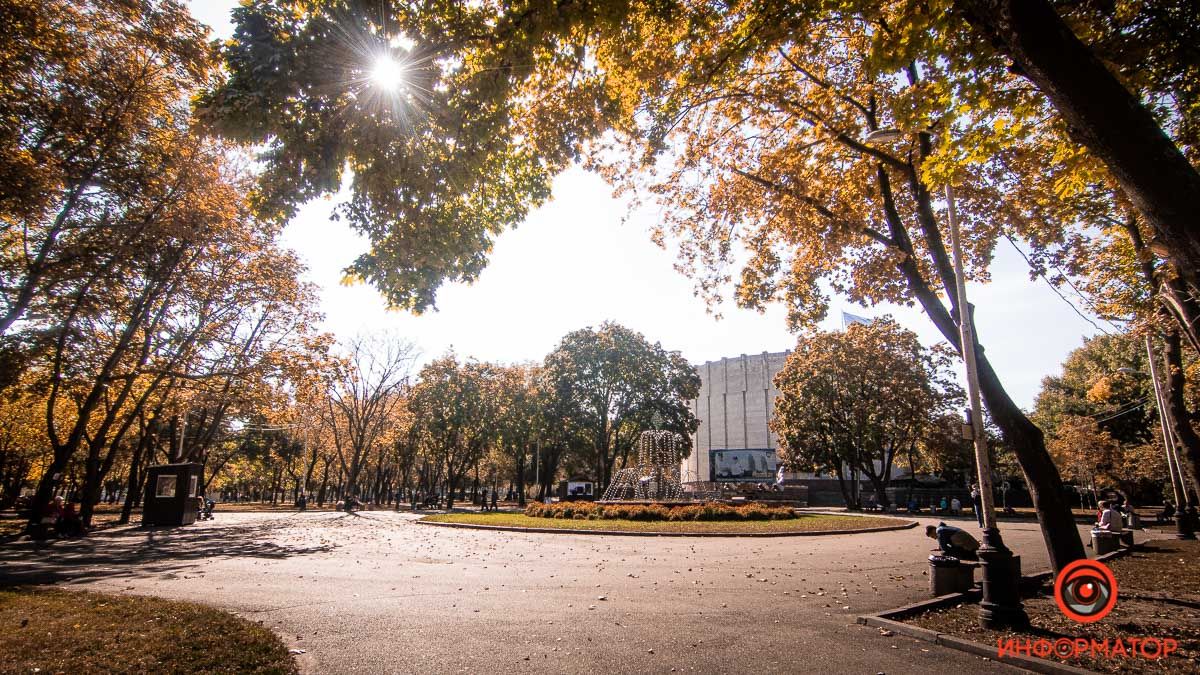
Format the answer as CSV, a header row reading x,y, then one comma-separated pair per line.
x,y
387,73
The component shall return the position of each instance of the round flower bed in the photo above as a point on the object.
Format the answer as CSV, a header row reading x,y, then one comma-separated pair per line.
x,y
709,511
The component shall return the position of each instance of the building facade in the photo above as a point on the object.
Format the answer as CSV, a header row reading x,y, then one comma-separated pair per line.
x,y
734,441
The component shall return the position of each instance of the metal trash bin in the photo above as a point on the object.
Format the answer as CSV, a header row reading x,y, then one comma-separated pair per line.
x,y
950,575
1105,542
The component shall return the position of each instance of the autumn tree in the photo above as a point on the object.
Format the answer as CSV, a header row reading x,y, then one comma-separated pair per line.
x,y
318,100
135,279
1117,95
943,451
96,167
367,390
746,121
520,419
88,89
764,141
617,384
455,408
859,399
22,442
1129,284
1101,415
1090,455
564,436
1107,375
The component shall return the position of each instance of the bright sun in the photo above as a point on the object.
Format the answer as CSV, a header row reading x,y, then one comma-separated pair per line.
x,y
387,73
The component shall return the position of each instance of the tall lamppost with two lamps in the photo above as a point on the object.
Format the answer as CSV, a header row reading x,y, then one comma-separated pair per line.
x,y
1184,528
1001,604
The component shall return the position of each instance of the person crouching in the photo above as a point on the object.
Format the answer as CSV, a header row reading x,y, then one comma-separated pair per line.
x,y
953,541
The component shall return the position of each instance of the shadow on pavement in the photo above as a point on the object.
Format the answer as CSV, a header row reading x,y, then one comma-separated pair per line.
x,y
136,552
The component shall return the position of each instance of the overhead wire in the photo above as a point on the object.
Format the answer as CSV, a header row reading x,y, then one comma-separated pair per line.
x,y
1057,292
1124,412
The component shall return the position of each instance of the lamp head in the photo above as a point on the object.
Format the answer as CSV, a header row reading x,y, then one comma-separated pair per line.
x,y
884,136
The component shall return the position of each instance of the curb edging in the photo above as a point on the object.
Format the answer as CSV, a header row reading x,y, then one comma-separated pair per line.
x,y
1031,663
624,533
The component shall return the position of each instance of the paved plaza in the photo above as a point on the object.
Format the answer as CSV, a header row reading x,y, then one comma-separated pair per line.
x,y
376,592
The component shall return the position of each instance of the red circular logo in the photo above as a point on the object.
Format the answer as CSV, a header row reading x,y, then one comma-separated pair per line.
x,y
1085,591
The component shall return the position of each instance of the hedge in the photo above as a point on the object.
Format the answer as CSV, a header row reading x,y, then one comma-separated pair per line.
x,y
652,512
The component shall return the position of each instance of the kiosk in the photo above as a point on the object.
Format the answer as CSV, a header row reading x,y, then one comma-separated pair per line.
x,y
171,491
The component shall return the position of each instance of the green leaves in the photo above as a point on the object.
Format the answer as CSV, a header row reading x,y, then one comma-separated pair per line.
x,y
858,397
459,151
612,383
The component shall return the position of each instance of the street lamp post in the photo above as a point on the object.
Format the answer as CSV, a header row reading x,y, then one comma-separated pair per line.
x,y
182,434
1183,525
1001,604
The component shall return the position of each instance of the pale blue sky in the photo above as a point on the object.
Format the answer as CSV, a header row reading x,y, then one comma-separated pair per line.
x,y
577,261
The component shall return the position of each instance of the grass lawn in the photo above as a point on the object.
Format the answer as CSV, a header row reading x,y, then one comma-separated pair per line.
x,y
79,632
801,523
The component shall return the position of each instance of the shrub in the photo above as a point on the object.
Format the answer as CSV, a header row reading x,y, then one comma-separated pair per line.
x,y
710,511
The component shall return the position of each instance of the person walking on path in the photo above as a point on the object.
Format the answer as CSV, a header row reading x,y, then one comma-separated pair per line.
x,y
483,502
495,506
977,502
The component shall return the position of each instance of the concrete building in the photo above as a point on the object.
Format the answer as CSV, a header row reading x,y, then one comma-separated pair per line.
x,y
734,443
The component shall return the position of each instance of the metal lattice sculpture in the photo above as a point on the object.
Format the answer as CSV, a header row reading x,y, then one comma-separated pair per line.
x,y
656,476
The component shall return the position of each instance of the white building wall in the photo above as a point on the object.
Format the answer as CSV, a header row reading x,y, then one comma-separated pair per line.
x,y
737,397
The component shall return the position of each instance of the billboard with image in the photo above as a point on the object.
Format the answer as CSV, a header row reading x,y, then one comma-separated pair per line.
x,y
743,465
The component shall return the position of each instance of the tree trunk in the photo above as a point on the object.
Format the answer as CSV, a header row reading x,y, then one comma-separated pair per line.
x,y
1027,441
133,485
521,479
1107,119
841,479
1045,485
451,483
880,484
1177,413
377,488
90,494
46,486
16,470
912,470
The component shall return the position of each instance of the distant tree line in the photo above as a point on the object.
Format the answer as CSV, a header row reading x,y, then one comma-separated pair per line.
x,y
145,308
375,430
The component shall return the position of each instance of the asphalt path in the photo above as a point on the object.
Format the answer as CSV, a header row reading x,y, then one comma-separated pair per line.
x,y
376,592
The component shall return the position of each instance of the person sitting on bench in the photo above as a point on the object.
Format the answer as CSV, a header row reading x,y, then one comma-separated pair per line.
x,y
953,541
1110,518
69,524
1168,512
